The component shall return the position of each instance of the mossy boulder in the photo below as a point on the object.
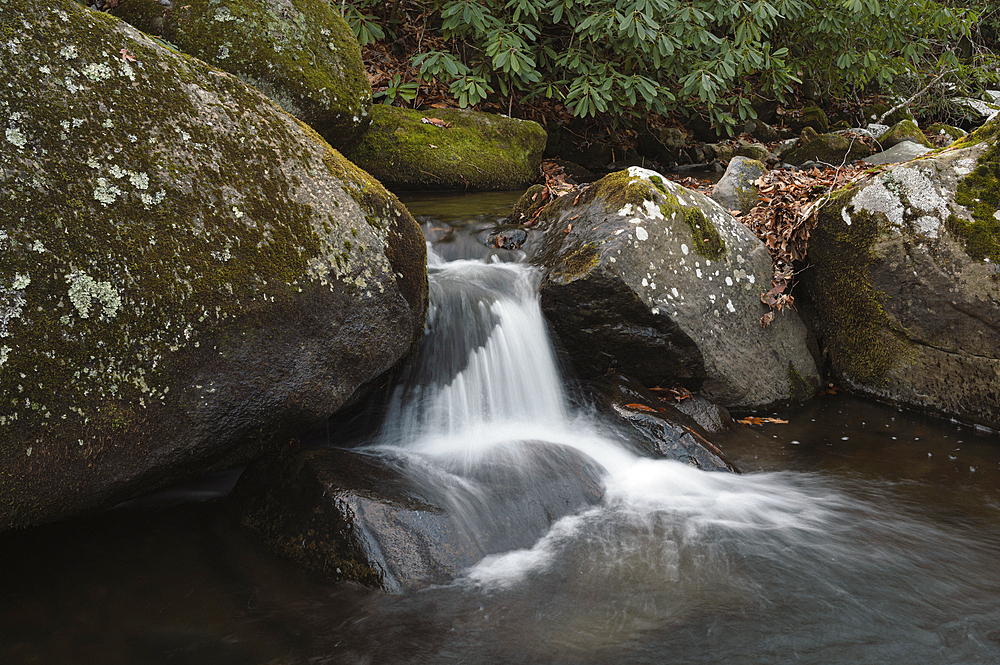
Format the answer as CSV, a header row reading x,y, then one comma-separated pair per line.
x,y
905,280
399,522
754,151
467,150
810,116
904,130
188,274
736,189
661,283
300,53
834,149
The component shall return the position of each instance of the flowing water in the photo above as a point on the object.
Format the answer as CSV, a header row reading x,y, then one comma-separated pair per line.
x,y
861,534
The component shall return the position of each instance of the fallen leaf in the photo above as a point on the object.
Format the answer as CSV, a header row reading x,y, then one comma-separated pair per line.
x,y
640,407
756,420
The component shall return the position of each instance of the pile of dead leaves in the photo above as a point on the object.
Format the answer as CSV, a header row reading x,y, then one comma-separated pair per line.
x,y
785,217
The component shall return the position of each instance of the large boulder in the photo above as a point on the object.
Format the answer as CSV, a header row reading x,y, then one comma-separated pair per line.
x,y
450,149
401,522
661,283
906,283
300,53
188,274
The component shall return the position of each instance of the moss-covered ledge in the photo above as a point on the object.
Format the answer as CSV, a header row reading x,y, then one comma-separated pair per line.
x,y
302,55
472,151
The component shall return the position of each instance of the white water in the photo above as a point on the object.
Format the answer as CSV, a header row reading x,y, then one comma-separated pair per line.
x,y
836,570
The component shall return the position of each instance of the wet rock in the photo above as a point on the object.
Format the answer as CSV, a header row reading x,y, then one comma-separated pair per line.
x,y
663,429
904,130
188,274
736,189
903,151
507,237
663,284
832,149
301,54
906,284
475,151
399,522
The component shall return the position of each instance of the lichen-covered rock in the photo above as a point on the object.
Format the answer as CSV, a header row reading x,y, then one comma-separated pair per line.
x,y
300,53
832,149
906,283
736,189
187,273
662,284
904,130
398,523
468,150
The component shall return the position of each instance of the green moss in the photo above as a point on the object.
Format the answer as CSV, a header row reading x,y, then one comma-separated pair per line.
x,y
304,57
141,230
979,192
857,332
704,236
800,390
479,151
577,264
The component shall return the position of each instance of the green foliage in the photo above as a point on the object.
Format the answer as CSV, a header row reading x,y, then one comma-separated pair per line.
x,y
629,58
406,92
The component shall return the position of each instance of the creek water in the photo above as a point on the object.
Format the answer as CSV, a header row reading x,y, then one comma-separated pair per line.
x,y
860,534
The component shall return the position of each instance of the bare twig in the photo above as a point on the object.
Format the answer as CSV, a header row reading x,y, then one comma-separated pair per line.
x,y
906,102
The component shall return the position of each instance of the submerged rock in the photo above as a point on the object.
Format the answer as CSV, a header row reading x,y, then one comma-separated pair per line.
x,y
464,150
398,522
188,274
659,282
300,53
906,283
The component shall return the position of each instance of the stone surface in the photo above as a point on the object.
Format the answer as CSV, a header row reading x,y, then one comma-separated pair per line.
x,y
188,274
664,430
810,116
400,523
903,151
477,151
831,149
904,130
907,287
736,189
300,53
662,284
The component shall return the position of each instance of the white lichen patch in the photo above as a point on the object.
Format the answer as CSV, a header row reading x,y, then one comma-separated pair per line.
x,y
98,71
640,233
84,290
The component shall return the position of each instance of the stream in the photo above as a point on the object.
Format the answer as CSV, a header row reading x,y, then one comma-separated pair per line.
x,y
859,534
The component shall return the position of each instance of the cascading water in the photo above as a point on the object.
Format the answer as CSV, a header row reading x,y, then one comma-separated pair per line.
x,y
864,535
668,543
